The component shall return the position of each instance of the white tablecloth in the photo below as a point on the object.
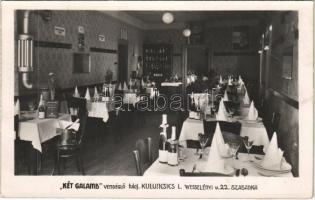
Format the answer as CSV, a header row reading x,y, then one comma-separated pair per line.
x,y
171,84
99,109
158,169
130,98
40,130
256,132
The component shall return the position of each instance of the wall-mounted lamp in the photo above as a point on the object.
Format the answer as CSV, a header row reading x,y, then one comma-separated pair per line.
x,y
266,47
270,28
168,18
260,51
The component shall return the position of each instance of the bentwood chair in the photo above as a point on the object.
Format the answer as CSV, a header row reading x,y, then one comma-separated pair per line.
x,y
209,129
231,127
143,155
72,147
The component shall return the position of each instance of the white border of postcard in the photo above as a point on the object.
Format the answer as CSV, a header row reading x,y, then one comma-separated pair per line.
x,y
268,187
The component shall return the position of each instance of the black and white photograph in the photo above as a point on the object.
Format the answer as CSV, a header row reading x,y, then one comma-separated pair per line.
x,y
159,94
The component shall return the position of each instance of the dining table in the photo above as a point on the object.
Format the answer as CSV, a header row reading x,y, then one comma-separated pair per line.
x,y
190,161
100,109
255,131
37,131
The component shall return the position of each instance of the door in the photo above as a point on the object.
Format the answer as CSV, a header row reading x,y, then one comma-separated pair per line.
x,y
198,60
122,61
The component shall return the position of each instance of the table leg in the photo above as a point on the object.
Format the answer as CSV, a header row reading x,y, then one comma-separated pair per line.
x,y
35,161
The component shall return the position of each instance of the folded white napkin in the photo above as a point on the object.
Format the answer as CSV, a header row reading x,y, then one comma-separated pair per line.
x,y
76,92
119,86
193,78
188,81
17,107
225,97
87,95
125,86
230,81
240,81
222,113
218,150
273,156
152,94
252,113
130,83
96,95
246,99
142,82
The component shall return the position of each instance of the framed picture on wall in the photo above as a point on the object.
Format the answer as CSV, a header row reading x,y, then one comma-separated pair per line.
x,y
240,38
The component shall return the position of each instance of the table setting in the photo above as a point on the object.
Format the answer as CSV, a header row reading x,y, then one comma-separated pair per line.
x,y
223,158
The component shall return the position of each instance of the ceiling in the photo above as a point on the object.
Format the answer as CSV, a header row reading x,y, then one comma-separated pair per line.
x,y
189,16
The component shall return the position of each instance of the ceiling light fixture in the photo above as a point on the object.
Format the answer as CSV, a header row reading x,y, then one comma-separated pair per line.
x,y
168,18
186,32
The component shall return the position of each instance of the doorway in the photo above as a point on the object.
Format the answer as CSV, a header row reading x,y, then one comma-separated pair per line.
x,y
196,59
122,61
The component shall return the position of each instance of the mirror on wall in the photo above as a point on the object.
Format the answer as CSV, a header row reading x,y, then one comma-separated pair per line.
x,y
81,63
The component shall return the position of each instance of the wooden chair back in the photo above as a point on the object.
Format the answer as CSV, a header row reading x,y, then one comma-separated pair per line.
x,y
143,155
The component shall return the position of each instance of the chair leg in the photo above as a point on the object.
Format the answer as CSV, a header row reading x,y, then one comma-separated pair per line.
x,y
64,162
77,160
81,165
58,162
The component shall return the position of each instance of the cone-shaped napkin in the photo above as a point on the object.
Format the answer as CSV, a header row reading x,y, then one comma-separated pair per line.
x,y
230,81
273,156
188,81
225,97
17,107
246,99
252,113
142,82
76,92
222,113
106,116
96,95
240,81
130,83
87,95
218,150
119,86
125,86
220,81
152,94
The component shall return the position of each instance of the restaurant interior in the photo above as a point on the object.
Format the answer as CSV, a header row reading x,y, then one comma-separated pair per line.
x,y
156,93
